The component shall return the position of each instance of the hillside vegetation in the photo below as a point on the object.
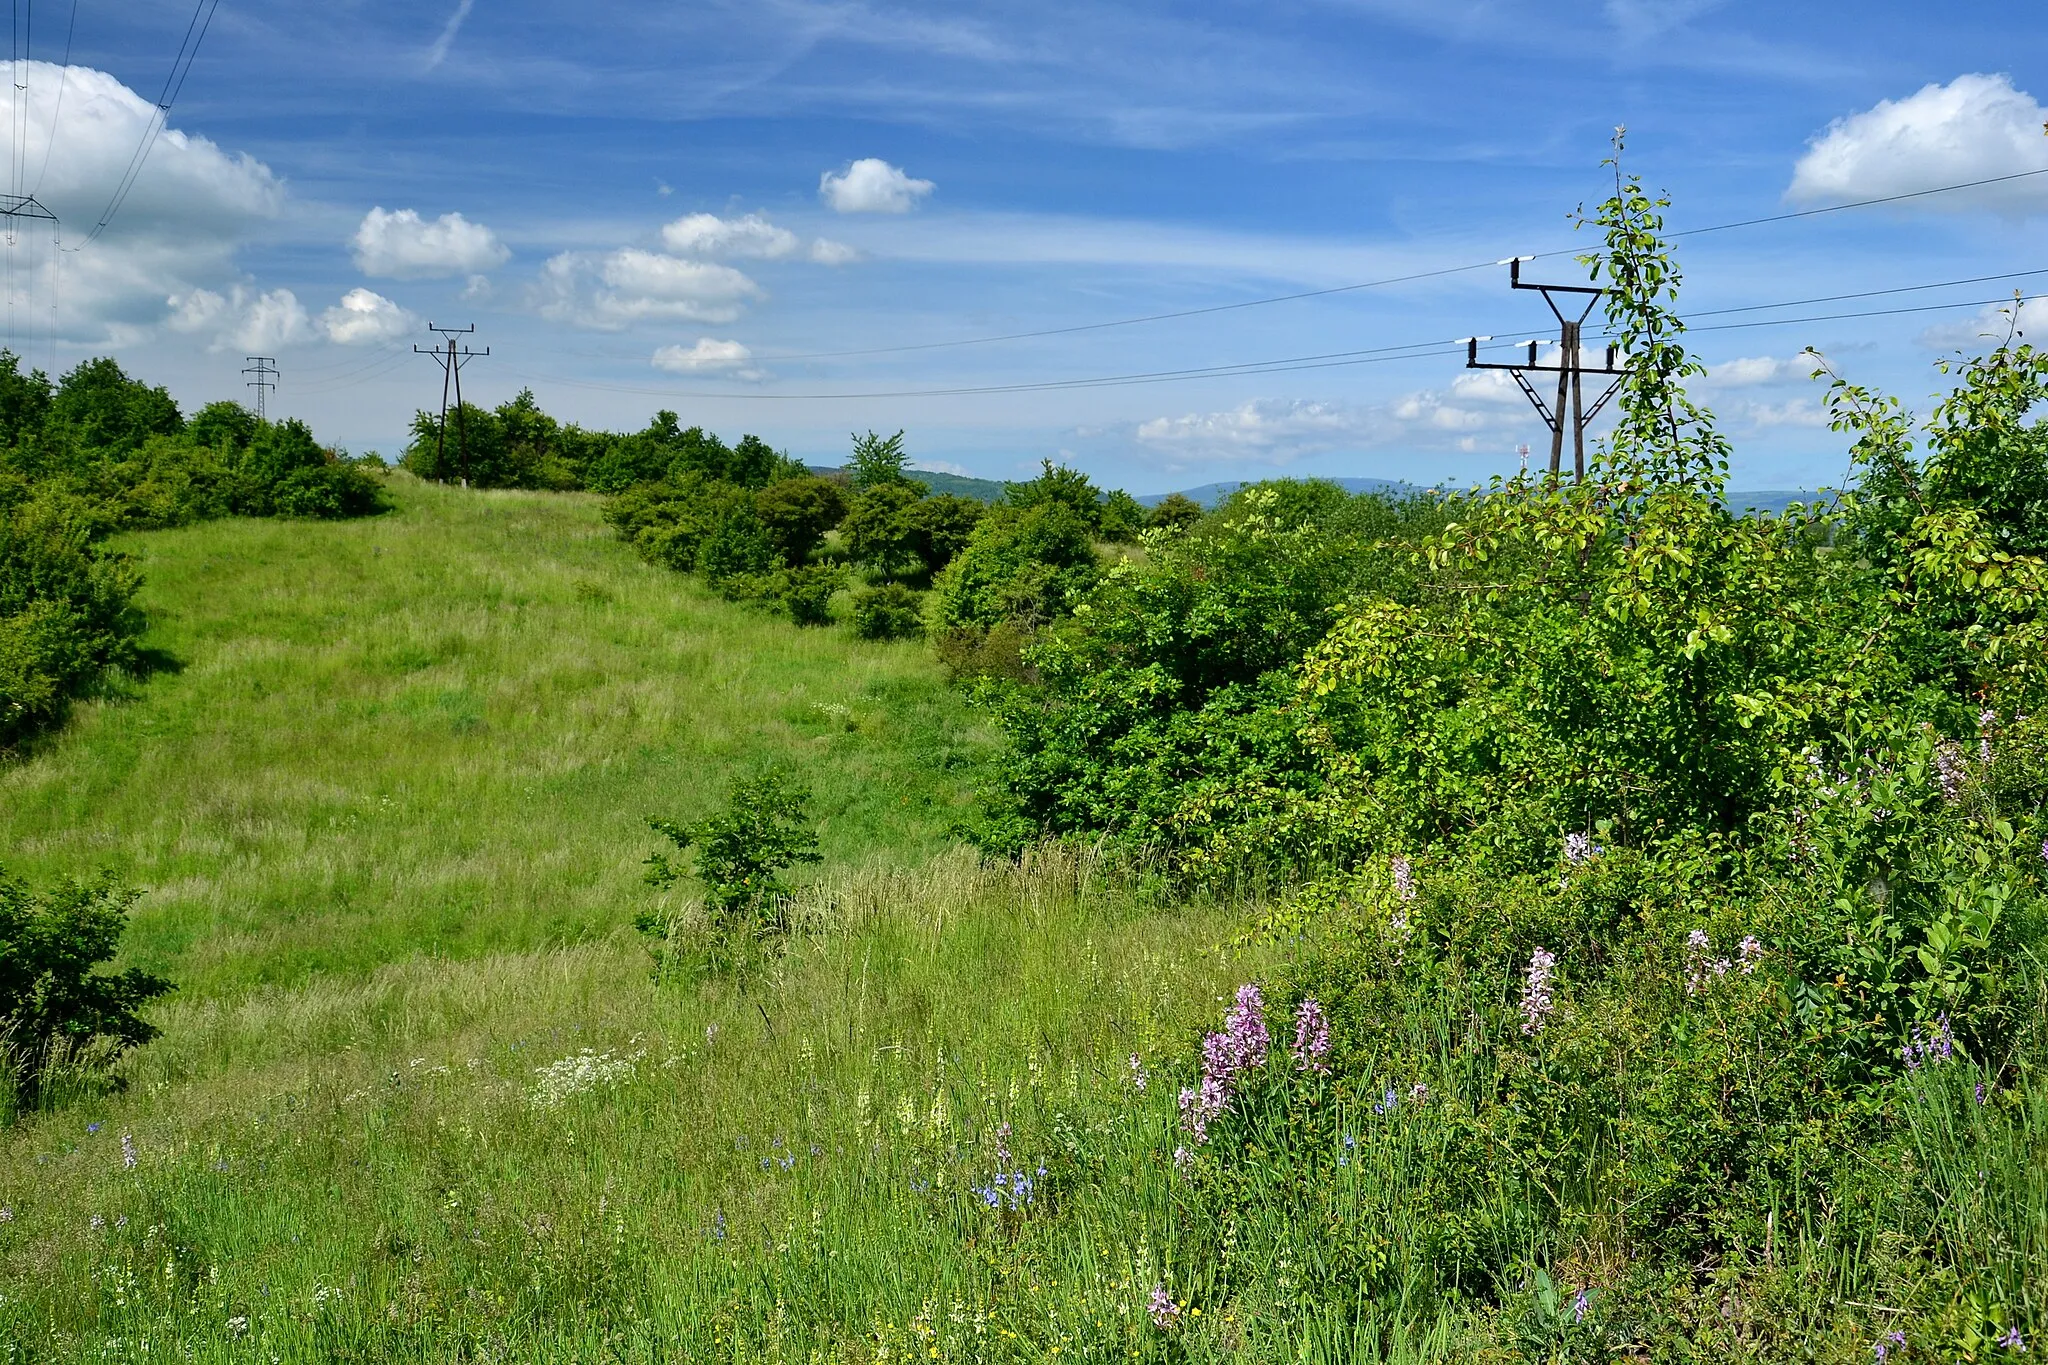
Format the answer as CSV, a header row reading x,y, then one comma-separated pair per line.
x,y
1559,922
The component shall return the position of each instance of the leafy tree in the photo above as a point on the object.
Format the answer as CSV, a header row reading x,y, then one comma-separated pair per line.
x,y
938,528
1175,510
66,612
224,425
877,530
99,408
743,850
1070,488
51,997
1028,564
797,513
807,593
1122,517
878,461
24,401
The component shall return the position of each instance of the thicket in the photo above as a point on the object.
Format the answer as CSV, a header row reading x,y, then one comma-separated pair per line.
x,y
760,526
1662,888
98,452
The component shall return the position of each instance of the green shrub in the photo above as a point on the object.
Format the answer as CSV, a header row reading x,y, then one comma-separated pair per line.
x,y
796,513
742,853
66,612
807,593
52,1001
888,612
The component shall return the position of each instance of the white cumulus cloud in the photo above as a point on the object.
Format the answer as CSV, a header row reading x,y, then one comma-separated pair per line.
x,y
402,245
616,289
242,318
709,356
1272,430
177,230
1980,332
872,185
1750,371
706,234
1975,127
364,318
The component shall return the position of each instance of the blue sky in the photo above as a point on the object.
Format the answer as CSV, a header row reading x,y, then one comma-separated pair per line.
x,y
647,205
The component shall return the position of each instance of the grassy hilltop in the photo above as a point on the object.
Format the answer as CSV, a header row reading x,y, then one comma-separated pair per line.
x,y
441,732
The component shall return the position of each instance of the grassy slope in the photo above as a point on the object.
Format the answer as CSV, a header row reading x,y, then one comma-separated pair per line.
x,y
433,736
440,731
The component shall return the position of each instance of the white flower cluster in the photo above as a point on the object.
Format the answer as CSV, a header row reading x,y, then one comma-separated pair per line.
x,y
557,1082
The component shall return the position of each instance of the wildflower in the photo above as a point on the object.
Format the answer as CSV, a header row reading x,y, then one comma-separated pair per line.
x,y
1579,849
1950,769
127,1151
1752,953
1404,879
6,1214
238,1324
2013,1341
1580,1302
1418,1093
1387,1102
1699,966
97,1222
1536,1002
1139,1080
91,1128
1987,721
1980,1092
718,1225
1165,1312
1311,1037
1182,1158
1242,1045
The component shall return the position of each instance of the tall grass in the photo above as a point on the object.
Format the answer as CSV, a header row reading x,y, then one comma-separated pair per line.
x,y
440,732
544,1156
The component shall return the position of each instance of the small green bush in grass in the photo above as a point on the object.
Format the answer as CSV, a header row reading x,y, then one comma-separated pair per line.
x,y
52,1001
742,853
807,592
888,612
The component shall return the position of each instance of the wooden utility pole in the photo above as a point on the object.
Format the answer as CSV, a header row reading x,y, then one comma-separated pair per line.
x,y
1570,369
451,360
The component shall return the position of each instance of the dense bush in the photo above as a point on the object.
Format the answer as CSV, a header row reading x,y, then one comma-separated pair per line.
x,y
888,611
742,853
53,1003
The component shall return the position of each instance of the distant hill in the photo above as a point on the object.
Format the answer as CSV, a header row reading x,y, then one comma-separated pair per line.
x,y
959,485
1771,501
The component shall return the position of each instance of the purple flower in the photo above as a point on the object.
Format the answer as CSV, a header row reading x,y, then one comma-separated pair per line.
x,y
1987,721
1418,1093
1241,1046
1752,953
91,1128
1404,879
1950,769
2013,1341
1980,1092
1388,1102
1579,849
1537,1005
1139,1080
1311,1037
1580,1301
1182,1157
1165,1312
1699,966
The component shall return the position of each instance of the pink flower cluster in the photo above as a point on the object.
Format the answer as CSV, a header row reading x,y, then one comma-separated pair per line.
x,y
1537,1005
1701,966
1226,1056
1311,1037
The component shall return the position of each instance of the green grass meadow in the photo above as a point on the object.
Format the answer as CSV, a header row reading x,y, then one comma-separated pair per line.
x,y
418,1095
440,732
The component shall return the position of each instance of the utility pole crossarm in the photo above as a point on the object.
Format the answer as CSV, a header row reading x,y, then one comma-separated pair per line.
x,y
451,358
1570,369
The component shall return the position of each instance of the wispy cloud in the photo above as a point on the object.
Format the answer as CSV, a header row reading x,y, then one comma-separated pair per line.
x,y
438,53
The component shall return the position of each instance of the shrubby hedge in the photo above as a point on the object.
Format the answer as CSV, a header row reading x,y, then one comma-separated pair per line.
x,y
98,452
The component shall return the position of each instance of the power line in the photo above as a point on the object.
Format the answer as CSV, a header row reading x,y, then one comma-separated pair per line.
x,y
264,367
1330,360
174,83
1389,280
57,116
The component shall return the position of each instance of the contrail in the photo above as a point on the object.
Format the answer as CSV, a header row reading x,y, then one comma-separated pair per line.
x,y
439,51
